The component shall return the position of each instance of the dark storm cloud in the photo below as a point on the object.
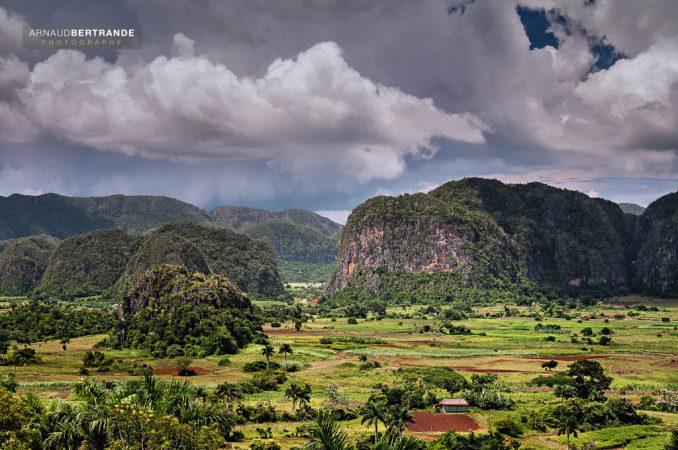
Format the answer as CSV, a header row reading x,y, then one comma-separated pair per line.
x,y
324,103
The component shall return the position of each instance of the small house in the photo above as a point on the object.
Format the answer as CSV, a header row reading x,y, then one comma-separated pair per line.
x,y
452,405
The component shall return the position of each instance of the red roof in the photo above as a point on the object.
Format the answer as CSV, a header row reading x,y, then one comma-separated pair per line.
x,y
453,402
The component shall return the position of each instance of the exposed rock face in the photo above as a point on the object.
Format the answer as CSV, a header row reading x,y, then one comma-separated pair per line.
x,y
486,233
657,265
23,262
421,233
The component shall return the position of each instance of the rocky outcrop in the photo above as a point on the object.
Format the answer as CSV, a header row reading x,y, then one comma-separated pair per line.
x,y
487,233
422,234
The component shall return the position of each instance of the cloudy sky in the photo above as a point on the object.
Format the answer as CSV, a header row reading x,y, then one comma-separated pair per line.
x,y
322,104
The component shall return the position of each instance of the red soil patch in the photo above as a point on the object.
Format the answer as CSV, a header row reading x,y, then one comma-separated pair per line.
x,y
429,422
166,371
573,358
476,370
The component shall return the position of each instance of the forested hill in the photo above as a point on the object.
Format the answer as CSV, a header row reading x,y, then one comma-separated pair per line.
x,y
296,235
109,262
483,233
62,217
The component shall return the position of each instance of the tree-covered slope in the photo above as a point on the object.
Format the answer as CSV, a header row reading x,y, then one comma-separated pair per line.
x,y
657,265
23,262
294,242
160,313
240,217
61,216
87,264
250,264
483,233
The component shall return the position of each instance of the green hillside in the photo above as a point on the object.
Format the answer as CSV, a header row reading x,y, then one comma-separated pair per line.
x,y
87,264
293,242
482,233
250,264
657,265
23,262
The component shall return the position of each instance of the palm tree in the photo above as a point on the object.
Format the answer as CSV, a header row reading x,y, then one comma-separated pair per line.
x,y
372,414
285,349
398,417
268,351
304,396
326,434
293,392
568,417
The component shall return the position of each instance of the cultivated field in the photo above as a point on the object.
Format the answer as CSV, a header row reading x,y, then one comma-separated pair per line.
x,y
642,359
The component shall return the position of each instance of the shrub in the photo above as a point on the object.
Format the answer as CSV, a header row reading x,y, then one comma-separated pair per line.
x,y
508,427
225,361
260,444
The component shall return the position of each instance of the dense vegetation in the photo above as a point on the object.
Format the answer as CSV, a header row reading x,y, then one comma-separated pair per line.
x,y
294,242
657,266
240,217
173,312
87,265
485,234
37,321
23,262
108,262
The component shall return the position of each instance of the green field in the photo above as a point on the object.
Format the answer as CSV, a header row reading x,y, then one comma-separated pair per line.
x,y
642,359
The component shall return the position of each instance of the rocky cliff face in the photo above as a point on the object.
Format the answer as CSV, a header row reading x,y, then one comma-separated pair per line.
x,y
422,234
487,233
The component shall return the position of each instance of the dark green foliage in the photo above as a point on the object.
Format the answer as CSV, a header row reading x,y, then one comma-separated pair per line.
x,y
588,379
249,264
60,216
593,415
508,427
482,233
657,266
87,265
301,272
23,262
36,321
552,380
203,314
472,441
260,366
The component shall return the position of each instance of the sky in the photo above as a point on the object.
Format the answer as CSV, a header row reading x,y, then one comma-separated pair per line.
x,y
322,104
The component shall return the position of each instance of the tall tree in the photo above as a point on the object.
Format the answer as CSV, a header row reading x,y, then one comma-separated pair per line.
x,y
397,418
285,349
268,351
568,417
372,414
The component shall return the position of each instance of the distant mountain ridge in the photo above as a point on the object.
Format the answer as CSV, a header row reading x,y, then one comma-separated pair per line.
x,y
61,216
483,233
631,208
297,235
